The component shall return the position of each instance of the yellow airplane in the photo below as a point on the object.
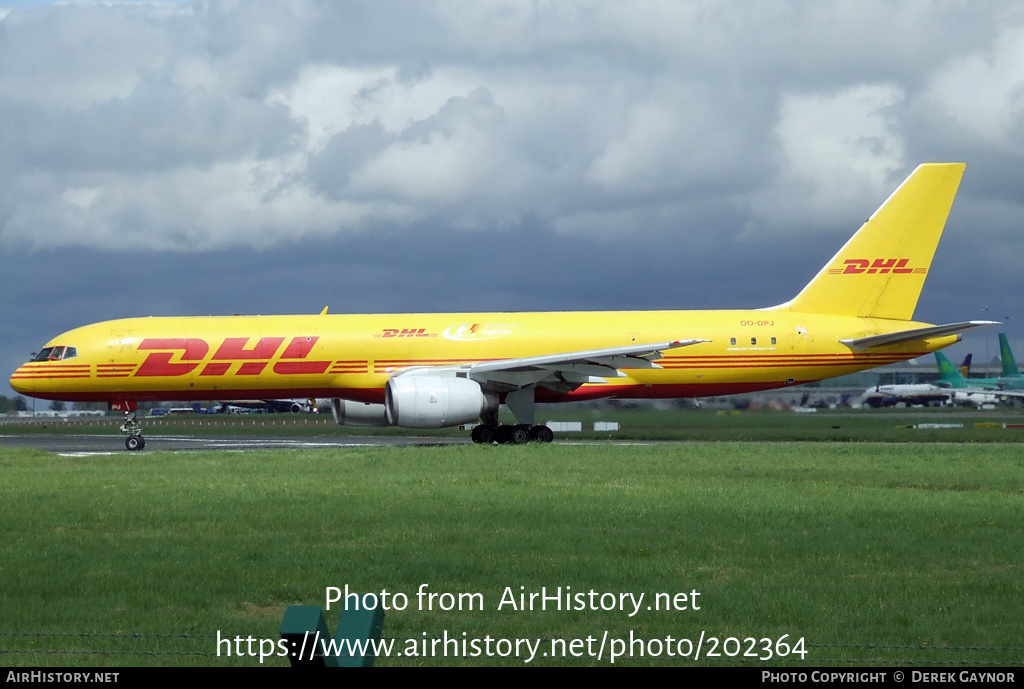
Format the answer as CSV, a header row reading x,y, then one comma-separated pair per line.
x,y
437,370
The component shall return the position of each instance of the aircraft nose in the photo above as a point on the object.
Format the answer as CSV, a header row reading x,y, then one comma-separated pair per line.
x,y
21,382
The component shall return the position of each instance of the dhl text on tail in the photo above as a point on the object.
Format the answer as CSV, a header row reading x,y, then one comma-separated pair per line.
x,y
436,370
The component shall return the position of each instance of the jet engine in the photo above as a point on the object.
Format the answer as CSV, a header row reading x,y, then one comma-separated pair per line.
x,y
420,401
349,413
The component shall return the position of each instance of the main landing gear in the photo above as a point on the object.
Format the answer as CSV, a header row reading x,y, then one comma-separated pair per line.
x,y
521,404
133,428
513,435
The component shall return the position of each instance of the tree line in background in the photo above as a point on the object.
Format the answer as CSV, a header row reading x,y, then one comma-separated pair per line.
x,y
8,405
14,405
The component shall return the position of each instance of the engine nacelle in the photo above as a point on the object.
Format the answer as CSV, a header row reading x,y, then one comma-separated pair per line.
x,y
349,413
414,401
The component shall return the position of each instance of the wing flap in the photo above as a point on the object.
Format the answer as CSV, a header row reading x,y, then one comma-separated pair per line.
x,y
629,356
587,366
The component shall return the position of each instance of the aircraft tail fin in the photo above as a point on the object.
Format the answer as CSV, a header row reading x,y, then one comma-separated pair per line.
x,y
947,372
1010,369
965,367
880,271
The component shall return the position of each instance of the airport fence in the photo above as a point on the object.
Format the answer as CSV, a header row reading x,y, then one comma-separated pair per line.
x,y
169,422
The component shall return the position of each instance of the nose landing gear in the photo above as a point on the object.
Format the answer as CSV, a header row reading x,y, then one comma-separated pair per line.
x,y
133,428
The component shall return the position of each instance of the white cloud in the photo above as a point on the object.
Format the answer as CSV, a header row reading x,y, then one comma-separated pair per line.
x,y
221,123
835,150
246,202
983,91
332,98
75,56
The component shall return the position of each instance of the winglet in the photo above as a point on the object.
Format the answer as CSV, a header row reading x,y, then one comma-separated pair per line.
x,y
324,312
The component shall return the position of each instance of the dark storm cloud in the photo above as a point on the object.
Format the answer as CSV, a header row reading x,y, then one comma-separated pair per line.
x,y
145,132
221,157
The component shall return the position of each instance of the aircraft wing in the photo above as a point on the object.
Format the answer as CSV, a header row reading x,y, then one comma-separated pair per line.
x,y
978,387
916,334
994,392
574,368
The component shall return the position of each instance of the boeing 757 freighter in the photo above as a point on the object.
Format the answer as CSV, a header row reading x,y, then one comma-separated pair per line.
x,y
448,369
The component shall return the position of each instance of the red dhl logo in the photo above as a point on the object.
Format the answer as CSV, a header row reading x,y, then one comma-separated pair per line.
x,y
861,266
179,356
405,332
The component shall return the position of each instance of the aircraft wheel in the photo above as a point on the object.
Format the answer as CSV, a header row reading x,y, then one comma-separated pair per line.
x,y
519,435
542,434
503,434
135,442
483,434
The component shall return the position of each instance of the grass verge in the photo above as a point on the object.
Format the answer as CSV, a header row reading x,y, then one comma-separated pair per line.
x,y
873,553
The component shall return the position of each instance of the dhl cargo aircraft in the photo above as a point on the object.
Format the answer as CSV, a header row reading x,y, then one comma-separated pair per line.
x,y
443,369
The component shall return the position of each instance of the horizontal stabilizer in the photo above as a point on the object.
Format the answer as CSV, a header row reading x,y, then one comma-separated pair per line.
x,y
902,336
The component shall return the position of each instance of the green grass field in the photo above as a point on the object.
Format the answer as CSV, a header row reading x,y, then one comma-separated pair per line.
x,y
873,553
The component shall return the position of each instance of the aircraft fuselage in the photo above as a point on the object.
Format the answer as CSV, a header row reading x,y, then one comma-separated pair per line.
x,y
352,356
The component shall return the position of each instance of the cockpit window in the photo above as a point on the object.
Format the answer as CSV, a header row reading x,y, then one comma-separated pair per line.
x,y
56,353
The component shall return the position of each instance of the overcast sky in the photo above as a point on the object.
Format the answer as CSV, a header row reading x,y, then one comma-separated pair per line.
x,y
184,158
